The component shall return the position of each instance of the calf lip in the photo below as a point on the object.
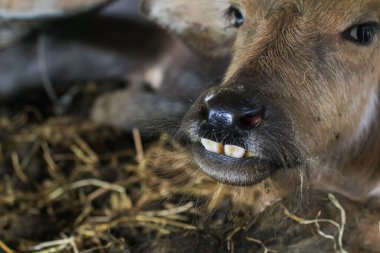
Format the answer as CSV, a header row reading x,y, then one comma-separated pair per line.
x,y
232,171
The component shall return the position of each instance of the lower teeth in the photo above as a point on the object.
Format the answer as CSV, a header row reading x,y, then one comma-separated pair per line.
x,y
227,150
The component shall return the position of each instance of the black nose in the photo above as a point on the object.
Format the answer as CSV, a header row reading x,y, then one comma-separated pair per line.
x,y
233,109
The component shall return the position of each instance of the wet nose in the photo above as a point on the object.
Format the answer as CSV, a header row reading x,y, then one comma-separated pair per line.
x,y
233,110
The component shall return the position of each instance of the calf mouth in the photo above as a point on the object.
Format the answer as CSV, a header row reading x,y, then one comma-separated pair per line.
x,y
251,159
242,157
239,142
231,164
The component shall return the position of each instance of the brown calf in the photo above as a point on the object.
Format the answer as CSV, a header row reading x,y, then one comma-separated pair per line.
x,y
300,96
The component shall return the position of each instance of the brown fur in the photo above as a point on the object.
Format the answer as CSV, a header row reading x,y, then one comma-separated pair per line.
x,y
295,42
326,84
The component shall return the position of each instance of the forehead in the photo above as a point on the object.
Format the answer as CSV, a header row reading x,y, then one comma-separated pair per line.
x,y
333,11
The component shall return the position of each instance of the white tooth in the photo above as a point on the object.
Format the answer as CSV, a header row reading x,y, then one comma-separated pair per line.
x,y
250,154
234,151
212,146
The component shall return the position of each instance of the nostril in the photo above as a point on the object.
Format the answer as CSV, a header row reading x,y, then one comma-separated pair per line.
x,y
224,110
252,120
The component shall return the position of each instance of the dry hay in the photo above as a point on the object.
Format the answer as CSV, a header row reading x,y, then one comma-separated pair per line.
x,y
78,181
69,185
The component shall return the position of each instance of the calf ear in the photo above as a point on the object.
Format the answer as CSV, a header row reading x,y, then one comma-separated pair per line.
x,y
199,23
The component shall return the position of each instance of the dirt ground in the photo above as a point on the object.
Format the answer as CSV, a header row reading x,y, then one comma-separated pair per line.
x,y
70,185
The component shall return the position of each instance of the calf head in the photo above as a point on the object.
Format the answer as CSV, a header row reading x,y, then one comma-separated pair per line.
x,y
301,91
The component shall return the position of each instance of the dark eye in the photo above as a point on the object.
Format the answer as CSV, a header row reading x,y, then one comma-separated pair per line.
x,y
362,34
234,17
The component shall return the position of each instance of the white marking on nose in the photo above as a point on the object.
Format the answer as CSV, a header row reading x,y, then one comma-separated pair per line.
x,y
155,76
209,97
